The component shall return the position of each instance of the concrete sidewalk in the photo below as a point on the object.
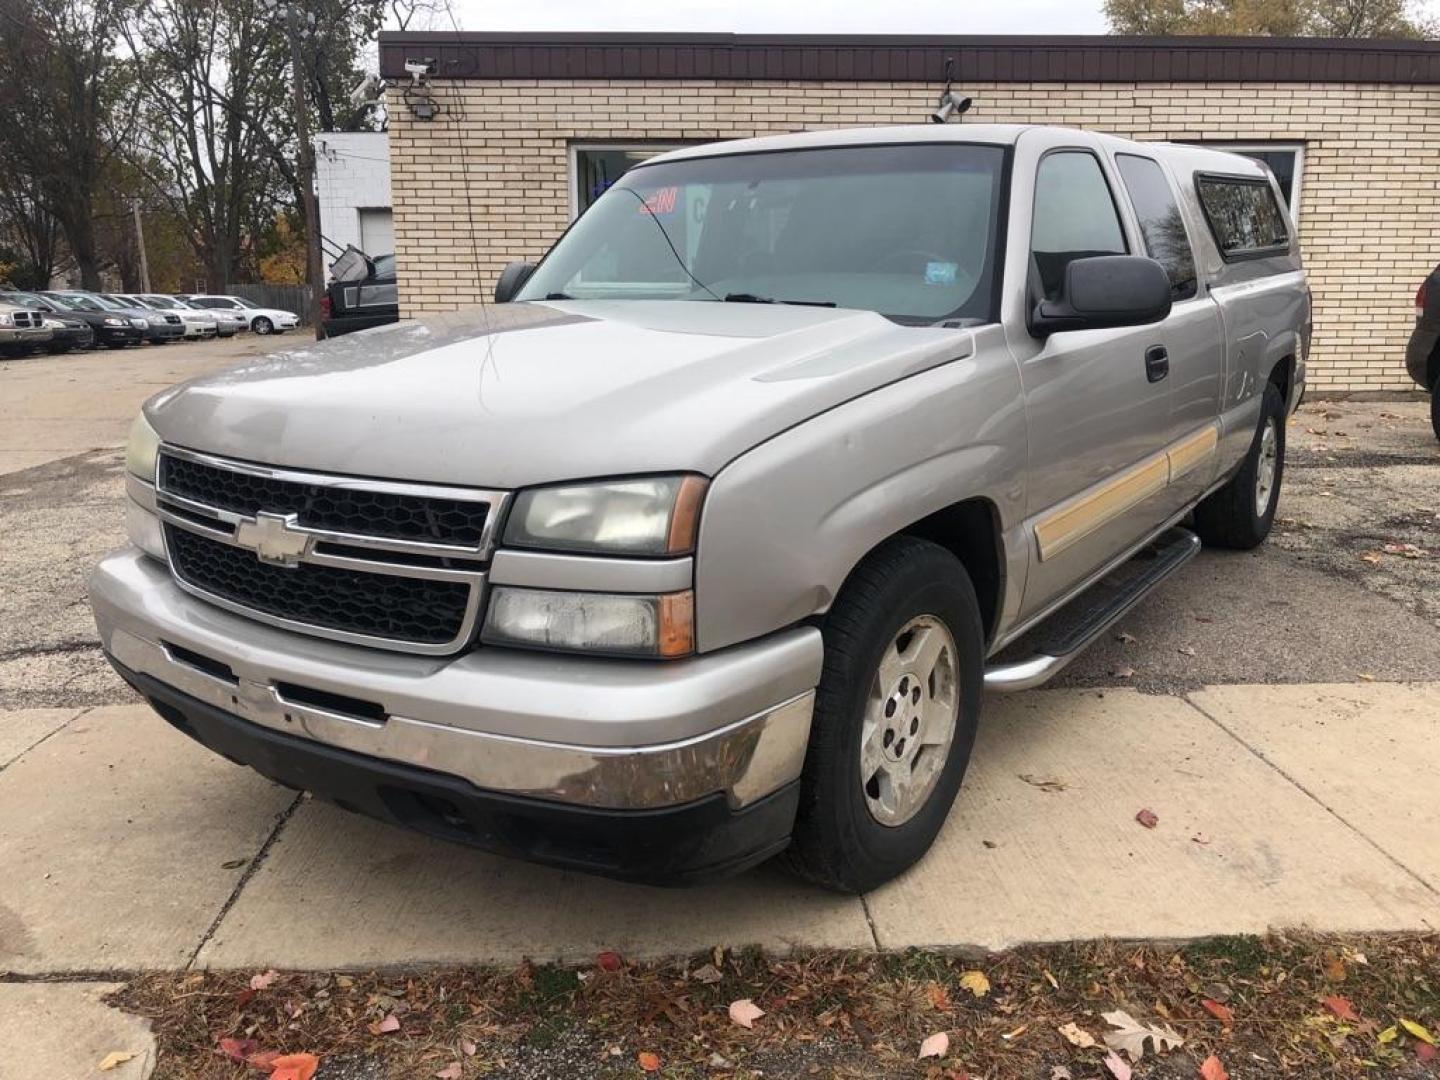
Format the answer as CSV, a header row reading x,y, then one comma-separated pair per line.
x,y
124,846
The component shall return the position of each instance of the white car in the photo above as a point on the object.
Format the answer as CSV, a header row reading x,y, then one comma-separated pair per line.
x,y
261,320
198,324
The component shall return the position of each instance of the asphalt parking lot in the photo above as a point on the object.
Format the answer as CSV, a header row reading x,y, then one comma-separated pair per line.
x,y
1277,710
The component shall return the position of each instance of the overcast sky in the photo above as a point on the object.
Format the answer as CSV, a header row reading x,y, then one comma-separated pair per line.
x,y
795,16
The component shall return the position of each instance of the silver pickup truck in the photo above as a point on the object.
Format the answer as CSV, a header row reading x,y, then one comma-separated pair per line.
x,y
703,545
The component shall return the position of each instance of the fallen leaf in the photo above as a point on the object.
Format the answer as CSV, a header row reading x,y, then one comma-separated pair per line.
x,y
263,980
1223,1013
1075,1035
1131,1035
1116,1064
745,1012
344,981
1009,1035
1389,1035
386,1026
1419,1032
719,1061
936,1046
1334,969
1060,1072
115,1059
1424,1051
707,974
1044,783
608,961
1341,1007
238,1049
233,864
937,996
452,1071
1147,818
1365,677
1123,672
1054,982
468,1048
1186,650
1201,839
296,1067
976,983
1124,638
648,1061
264,1060
1371,557
1212,1069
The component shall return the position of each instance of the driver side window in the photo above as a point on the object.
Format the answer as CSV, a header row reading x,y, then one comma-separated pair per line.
x,y
1075,217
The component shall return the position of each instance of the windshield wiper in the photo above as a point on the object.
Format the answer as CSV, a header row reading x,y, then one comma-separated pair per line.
x,y
751,298
558,296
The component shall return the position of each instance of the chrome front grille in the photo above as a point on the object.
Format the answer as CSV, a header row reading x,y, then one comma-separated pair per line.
x,y
374,562
28,319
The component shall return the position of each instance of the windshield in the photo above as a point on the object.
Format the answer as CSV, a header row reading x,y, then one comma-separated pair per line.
x,y
26,300
77,303
908,231
164,303
109,303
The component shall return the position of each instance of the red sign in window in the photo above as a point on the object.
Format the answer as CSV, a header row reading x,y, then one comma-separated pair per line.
x,y
661,202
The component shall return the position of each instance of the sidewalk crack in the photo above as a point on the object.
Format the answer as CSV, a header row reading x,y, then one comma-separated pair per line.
x,y
249,872
870,921
49,734
1315,798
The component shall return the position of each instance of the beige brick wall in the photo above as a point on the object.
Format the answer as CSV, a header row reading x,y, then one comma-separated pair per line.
x,y
1369,203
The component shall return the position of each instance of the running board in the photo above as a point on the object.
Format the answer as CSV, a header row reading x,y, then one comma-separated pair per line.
x,y
1080,622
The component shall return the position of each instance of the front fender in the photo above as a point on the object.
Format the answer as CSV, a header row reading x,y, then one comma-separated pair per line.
x,y
785,523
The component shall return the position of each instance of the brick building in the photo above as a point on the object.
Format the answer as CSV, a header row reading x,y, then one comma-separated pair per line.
x,y
531,127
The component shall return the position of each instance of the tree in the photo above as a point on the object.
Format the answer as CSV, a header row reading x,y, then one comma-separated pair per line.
x,y
1307,18
63,87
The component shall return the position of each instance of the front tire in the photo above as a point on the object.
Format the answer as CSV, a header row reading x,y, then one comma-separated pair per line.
x,y
262,325
896,713
1239,516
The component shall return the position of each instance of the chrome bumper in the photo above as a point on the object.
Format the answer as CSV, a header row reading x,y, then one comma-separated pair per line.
x,y
615,734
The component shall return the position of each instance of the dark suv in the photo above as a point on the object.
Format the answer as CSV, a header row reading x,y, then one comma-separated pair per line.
x,y
1422,356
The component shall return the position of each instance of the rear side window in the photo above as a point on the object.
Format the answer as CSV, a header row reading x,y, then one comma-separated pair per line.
x,y
1075,217
1166,240
1244,217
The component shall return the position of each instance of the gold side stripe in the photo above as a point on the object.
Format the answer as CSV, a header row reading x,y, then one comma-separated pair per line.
x,y
1192,451
1070,524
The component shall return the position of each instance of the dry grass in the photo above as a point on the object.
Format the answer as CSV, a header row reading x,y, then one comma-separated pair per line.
x,y
828,1014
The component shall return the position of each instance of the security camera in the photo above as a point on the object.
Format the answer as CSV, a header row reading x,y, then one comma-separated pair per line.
x,y
418,69
950,104
367,93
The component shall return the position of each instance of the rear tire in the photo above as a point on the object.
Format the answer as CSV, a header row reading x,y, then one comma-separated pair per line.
x,y
1239,516
1435,409
886,708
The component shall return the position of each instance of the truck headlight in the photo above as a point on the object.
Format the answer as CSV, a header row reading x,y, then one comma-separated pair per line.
x,y
143,450
654,515
604,623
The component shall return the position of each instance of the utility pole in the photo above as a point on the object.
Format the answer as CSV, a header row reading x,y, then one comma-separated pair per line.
x,y
298,28
140,244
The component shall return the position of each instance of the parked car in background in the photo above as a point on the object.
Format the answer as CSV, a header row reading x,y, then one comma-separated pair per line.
x,y
72,330
111,329
261,320
198,324
361,294
704,544
162,327
21,329
1422,356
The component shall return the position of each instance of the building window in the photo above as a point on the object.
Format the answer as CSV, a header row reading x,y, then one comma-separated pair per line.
x,y
1286,161
595,166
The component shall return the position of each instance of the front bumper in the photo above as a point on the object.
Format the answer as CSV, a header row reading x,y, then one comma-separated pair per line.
x,y
1424,344
119,335
25,335
566,740
165,332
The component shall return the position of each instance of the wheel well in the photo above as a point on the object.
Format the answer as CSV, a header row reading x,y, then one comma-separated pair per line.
x,y
970,531
1283,376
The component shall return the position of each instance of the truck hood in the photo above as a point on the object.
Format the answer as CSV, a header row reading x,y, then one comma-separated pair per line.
x,y
531,393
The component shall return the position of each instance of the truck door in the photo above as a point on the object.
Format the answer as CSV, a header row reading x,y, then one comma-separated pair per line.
x,y
1098,401
1194,337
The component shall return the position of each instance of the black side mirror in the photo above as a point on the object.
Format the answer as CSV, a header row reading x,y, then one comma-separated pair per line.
x,y
512,279
1105,291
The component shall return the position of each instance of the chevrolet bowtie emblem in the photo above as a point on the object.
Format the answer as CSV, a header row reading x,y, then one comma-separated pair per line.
x,y
274,538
